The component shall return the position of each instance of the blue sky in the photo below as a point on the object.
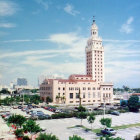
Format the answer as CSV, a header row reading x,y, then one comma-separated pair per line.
x,y
48,37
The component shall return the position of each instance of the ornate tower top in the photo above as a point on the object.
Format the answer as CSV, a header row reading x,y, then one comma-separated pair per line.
x,y
94,29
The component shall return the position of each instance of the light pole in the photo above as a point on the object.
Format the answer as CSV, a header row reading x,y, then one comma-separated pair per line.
x,y
23,99
104,106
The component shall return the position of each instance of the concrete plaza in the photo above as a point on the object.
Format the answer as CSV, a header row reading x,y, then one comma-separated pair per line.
x,y
60,127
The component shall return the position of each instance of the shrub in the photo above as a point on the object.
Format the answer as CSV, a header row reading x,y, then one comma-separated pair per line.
x,y
19,133
44,136
62,115
81,109
18,120
110,138
106,121
25,138
75,137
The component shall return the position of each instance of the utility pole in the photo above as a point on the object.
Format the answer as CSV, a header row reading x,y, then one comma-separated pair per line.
x,y
104,107
79,97
23,99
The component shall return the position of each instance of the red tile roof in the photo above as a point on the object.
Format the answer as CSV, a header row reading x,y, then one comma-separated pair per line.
x,y
80,75
136,94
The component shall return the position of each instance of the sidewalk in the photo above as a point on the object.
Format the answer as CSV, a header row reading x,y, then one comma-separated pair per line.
x,y
5,133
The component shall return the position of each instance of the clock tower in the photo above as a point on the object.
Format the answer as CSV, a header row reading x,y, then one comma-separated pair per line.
x,y
95,55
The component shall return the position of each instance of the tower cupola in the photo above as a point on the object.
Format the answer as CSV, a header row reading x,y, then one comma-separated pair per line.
x,y
94,30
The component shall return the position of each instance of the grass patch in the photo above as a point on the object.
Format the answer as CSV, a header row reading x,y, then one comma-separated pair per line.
x,y
126,126
119,127
115,127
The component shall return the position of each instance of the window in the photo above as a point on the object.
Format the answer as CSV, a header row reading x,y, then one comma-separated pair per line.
x,y
77,95
93,88
84,88
63,88
99,94
59,88
71,95
93,94
89,88
71,101
84,95
89,95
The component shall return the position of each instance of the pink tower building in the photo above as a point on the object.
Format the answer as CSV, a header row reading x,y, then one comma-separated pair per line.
x,y
95,55
87,89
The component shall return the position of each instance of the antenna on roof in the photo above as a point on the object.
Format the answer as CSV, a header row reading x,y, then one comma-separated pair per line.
x,y
93,19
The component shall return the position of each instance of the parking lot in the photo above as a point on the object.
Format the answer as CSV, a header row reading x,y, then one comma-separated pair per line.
x,y
59,126
66,126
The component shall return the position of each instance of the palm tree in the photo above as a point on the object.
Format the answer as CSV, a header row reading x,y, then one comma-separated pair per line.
x,y
91,119
82,115
57,98
63,99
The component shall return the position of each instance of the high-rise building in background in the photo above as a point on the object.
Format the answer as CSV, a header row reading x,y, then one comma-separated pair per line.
x,y
87,89
22,82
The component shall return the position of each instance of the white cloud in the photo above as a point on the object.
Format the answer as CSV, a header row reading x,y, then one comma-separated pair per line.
x,y
70,10
64,38
43,3
7,8
122,57
14,41
7,25
121,41
127,27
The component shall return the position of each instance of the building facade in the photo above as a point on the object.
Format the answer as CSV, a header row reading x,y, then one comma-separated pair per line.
x,y
21,82
84,89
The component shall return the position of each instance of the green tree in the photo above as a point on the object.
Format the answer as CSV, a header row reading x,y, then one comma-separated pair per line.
x,y
5,91
81,109
82,115
34,90
91,119
133,103
18,120
44,136
31,127
35,99
126,88
75,137
27,99
123,103
106,122
48,100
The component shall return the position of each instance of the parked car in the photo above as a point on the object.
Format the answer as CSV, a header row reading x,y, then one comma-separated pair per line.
x,y
33,117
108,131
43,128
15,107
58,111
19,107
115,113
47,116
